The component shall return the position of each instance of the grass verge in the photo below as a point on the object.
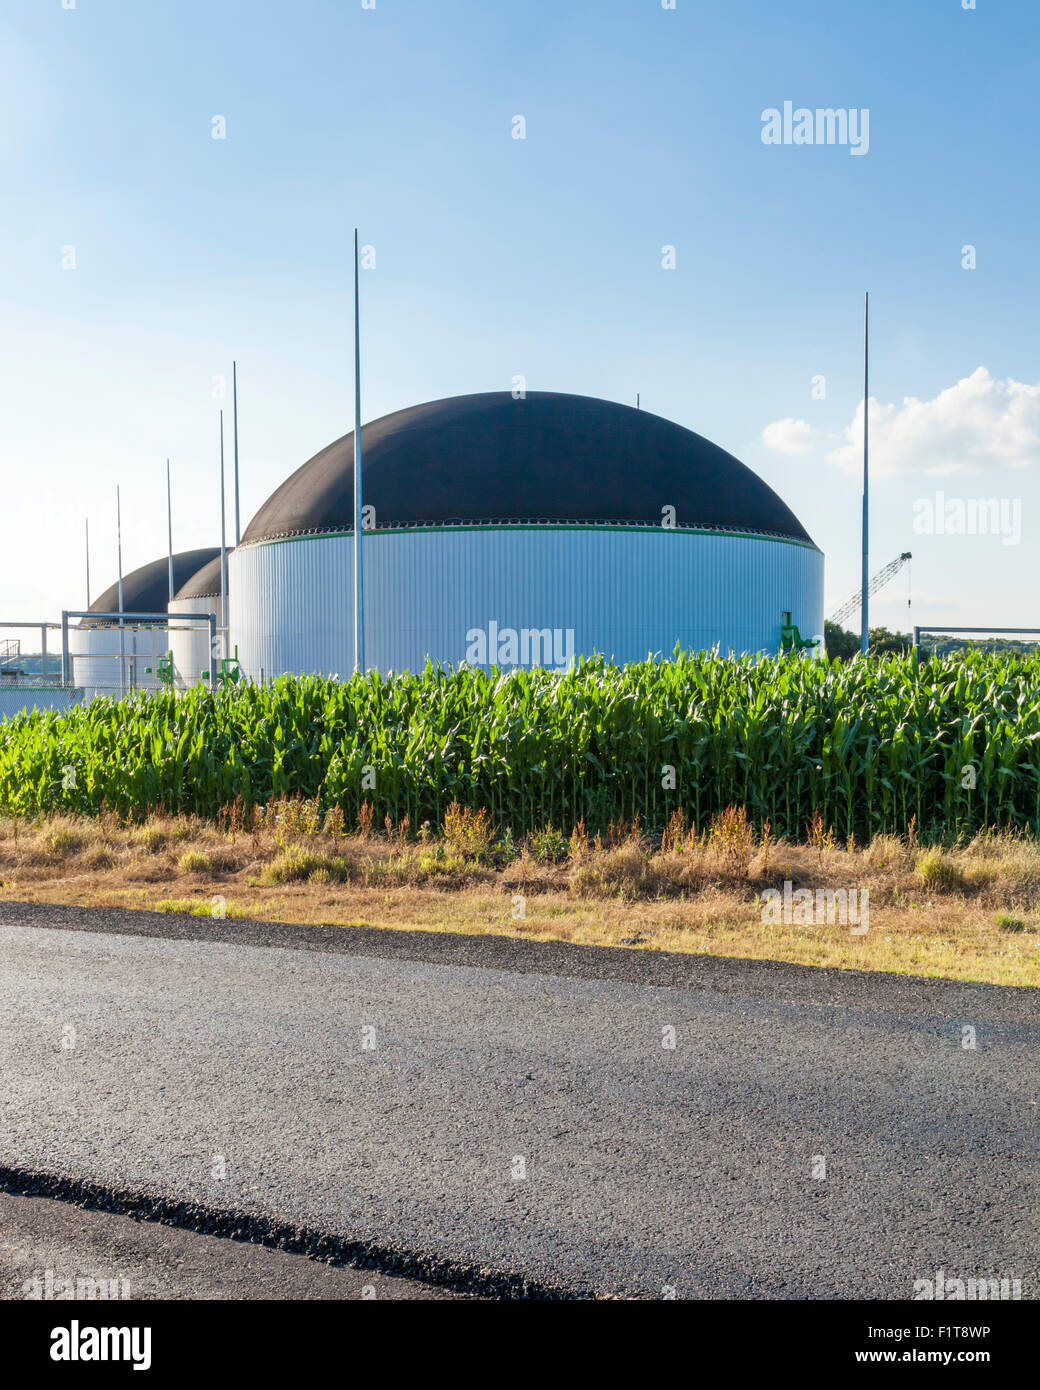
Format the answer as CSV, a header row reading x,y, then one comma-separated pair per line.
x,y
971,912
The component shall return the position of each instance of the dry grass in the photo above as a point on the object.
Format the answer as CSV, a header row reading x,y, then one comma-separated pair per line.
x,y
971,912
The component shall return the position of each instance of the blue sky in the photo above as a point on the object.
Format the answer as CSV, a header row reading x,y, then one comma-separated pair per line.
x,y
498,257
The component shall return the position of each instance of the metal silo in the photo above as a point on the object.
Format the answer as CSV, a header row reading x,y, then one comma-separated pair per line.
x,y
190,645
519,532
107,661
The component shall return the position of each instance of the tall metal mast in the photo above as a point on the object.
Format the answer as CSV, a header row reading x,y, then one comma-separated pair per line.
x,y
119,546
119,555
234,396
86,527
223,546
359,601
864,637
169,532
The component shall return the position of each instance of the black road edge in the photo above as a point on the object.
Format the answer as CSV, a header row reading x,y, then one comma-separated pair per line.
x,y
296,1240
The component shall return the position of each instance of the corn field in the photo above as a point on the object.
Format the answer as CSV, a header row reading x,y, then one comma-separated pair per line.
x,y
952,745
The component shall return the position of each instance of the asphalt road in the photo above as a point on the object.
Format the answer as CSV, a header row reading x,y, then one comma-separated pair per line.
x,y
511,1117
53,1249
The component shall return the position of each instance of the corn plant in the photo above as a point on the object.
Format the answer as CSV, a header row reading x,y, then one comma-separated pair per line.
x,y
951,744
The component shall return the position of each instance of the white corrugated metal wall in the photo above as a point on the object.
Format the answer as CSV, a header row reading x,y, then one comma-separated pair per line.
x,y
96,661
190,645
623,592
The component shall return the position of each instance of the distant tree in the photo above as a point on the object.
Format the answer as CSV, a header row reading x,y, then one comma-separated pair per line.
x,y
935,644
885,643
843,645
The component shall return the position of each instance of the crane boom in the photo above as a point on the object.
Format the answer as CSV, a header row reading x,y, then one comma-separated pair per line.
x,y
878,582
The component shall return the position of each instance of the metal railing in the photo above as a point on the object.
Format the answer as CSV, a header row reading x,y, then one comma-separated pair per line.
x,y
131,622
979,631
42,629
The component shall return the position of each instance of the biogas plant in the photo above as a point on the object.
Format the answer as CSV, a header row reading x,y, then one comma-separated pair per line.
x,y
497,530
530,531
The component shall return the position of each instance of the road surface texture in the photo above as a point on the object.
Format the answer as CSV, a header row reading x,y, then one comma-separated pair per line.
x,y
518,1118
95,1253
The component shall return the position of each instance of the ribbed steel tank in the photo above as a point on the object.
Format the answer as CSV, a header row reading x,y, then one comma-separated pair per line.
x,y
521,532
190,645
112,662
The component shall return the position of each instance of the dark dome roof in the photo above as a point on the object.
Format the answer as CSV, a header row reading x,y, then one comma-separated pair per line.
x,y
147,590
206,582
549,457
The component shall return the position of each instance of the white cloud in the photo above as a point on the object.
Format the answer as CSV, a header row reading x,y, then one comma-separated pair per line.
x,y
790,436
979,423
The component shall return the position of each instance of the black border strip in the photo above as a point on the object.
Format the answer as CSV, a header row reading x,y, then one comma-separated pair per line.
x,y
254,1229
